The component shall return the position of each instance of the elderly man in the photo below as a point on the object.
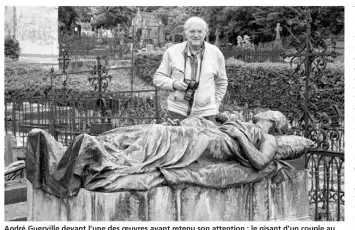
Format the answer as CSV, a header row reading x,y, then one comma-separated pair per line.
x,y
194,73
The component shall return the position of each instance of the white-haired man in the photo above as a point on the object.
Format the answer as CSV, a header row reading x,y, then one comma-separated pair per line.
x,y
194,73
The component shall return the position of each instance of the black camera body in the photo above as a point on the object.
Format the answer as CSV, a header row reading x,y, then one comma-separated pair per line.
x,y
192,85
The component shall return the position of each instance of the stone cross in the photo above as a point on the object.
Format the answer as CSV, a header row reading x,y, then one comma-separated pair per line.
x,y
278,29
148,32
278,42
217,33
161,35
240,40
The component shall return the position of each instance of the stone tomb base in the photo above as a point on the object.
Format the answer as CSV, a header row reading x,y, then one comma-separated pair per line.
x,y
257,201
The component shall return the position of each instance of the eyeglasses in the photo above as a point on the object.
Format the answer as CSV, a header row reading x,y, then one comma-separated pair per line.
x,y
193,32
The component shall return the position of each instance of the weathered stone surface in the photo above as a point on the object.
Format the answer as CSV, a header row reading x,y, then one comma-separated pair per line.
x,y
289,200
259,207
215,204
8,150
15,191
36,29
258,201
16,212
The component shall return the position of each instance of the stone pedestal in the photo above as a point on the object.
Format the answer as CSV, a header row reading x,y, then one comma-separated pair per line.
x,y
259,201
278,44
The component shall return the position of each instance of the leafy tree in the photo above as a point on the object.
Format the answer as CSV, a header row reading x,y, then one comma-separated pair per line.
x,y
259,22
149,9
110,16
226,22
328,19
67,16
85,13
324,19
173,17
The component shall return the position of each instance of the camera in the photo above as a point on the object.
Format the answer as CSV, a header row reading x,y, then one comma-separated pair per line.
x,y
192,85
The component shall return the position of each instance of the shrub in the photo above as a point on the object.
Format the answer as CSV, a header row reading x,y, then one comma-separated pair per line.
x,y
24,80
150,62
267,84
271,85
12,48
276,86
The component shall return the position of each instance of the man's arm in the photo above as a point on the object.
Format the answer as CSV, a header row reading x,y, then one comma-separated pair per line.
x,y
221,81
162,77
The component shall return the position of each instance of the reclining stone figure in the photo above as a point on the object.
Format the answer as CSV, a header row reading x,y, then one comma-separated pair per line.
x,y
142,157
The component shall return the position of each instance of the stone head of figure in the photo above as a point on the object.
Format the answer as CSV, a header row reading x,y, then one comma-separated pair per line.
x,y
195,29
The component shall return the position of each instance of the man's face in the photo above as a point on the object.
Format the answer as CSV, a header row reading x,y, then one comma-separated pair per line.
x,y
195,34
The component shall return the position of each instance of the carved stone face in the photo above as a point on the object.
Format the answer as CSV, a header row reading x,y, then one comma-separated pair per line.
x,y
196,34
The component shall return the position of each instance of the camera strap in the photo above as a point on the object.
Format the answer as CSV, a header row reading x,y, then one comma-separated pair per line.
x,y
189,108
200,69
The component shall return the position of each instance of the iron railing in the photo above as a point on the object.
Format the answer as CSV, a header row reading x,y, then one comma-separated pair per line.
x,y
253,55
325,159
65,112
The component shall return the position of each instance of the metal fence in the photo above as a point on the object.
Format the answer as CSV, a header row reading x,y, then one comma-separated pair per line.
x,y
87,48
253,54
325,159
66,113
116,47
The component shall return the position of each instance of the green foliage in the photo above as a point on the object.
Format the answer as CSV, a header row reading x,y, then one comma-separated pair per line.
x,y
111,16
259,22
275,86
85,13
152,59
24,80
267,84
270,85
149,9
67,16
12,48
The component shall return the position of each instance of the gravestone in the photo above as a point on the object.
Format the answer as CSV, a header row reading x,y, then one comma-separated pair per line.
x,y
36,29
148,32
278,42
149,48
217,33
240,41
8,150
161,35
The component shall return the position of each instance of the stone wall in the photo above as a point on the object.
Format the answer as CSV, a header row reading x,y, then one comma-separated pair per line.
x,y
10,12
36,29
258,201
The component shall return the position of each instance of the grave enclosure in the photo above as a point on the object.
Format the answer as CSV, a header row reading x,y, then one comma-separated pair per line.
x,y
66,114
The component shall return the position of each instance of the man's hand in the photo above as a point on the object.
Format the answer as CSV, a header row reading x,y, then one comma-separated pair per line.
x,y
180,85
